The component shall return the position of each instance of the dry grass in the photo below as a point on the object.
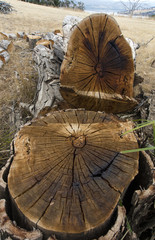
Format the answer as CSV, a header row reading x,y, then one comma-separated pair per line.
x,y
31,17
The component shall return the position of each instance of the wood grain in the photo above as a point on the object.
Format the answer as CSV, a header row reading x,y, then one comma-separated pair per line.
x,y
98,60
68,174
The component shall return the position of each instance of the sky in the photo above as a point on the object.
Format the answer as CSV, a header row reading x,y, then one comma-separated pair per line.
x,y
112,5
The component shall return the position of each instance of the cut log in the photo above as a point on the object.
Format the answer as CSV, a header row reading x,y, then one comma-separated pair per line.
x,y
4,56
12,36
32,39
20,34
57,43
7,45
66,168
57,31
8,35
45,43
98,64
4,35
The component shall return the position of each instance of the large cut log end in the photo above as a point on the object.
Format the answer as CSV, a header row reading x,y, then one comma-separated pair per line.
x,y
98,64
66,167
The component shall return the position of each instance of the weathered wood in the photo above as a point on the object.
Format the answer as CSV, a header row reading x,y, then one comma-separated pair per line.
x,y
2,49
7,45
8,35
20,34
5,8
12,36
8,228
98,62
56,31
69,166
134,46
32,39
45,43
57,43
151,116
1,64
117,230
4,56
142,212
110,103
68,25
4,35
48,66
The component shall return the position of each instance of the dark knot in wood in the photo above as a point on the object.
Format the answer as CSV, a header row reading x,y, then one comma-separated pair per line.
x,y
79,142
99,69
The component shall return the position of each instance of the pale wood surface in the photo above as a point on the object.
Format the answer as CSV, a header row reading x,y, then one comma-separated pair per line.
x,y
98,60
68,174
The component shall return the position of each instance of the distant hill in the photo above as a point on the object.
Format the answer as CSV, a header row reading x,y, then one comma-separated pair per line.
x,y
114,6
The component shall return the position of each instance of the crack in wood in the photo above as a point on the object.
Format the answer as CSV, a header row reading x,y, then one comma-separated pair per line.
x,y
100,172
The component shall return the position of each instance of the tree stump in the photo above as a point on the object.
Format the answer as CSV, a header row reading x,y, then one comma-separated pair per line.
x,y
32,39
68,174
98,70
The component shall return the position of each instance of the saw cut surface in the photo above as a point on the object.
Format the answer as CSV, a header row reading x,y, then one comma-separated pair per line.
x,y
67,174
98,71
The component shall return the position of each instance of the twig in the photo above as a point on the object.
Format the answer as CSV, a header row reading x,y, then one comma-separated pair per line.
x,y
4,151
149,41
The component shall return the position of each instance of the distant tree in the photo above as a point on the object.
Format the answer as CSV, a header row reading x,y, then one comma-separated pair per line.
x,y
73,4
58,3
81,5
55,3
131,6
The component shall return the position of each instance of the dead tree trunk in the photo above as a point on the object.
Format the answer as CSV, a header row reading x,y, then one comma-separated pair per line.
x,y
48,66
